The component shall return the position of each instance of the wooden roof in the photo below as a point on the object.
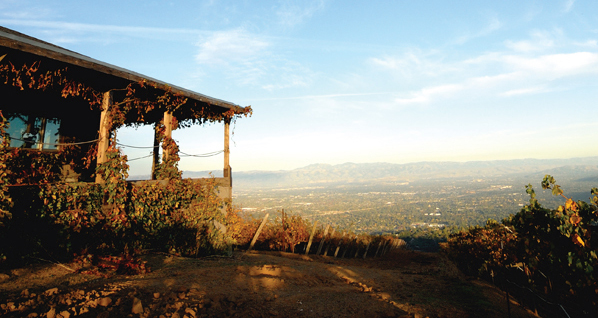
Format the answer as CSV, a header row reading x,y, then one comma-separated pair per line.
x,y
21,42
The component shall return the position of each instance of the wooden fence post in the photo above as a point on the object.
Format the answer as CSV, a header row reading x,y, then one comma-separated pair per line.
x,y
311,237
328,246
347,248
389,246
378,249
323,240
367,247
356,248
338,247
384,248
257,233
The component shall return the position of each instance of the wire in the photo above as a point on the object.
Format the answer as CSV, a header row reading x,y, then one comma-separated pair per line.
x,y
138,147
140,157
184,154
209,154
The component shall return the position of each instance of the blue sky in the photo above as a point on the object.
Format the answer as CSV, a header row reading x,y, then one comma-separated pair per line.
x,y
352,81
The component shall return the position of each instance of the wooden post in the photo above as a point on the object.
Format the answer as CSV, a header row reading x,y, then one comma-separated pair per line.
x,y
367,247
257,233
311,237
384,248
104,138
392,245
378,249
338,247
167,130
227,169
328,246
323,240
347,248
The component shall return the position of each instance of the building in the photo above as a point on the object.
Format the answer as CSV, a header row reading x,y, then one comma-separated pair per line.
x,y
56,99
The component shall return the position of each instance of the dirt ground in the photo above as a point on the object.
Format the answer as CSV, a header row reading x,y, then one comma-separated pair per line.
x,y
260,284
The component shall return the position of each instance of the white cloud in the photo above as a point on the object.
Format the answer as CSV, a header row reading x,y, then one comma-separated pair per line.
x,y
589,44
415,63
294,12
426,95
494,80
524,91
235,46
249,60
493,25
568,5
540,40
555,65
71,32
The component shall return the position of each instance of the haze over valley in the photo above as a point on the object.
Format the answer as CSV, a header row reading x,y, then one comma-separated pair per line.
x,y
430,196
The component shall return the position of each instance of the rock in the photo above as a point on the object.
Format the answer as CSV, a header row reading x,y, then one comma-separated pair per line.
x,y
64,314
156,295
32,315
182,295
190,311
51,313
3,277
25,293
105,302
137,306
51,291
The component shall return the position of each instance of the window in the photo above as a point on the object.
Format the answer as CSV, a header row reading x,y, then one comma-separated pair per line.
x,y
33,132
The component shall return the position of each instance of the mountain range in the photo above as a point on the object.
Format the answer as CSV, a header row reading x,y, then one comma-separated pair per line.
x,y
585,169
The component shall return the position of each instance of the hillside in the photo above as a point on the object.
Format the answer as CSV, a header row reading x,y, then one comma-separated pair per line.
x,y
402,284
324,174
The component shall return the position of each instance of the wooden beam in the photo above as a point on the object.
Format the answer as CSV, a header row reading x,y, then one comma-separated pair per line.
x,y
104,138
227,169
167,130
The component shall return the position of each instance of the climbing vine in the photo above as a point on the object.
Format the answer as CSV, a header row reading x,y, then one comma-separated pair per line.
x,y
138,103
5,200
180,216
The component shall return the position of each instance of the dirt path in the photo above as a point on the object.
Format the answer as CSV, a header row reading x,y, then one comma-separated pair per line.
x,y
264,284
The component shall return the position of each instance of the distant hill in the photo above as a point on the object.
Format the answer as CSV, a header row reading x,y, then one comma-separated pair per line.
x,y
325,174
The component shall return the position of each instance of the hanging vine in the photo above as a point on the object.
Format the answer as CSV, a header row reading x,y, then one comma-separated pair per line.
x,y
31,77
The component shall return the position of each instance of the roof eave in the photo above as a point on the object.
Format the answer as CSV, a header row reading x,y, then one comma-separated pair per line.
x,y
32,45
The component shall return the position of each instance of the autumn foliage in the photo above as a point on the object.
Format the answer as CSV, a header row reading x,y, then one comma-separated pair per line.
x,y
556,251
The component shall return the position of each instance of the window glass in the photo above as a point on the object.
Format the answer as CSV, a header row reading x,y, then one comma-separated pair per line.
x,y
26,132
51,136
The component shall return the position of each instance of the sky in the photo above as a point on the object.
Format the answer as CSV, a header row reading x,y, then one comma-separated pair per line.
x,y
334,81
